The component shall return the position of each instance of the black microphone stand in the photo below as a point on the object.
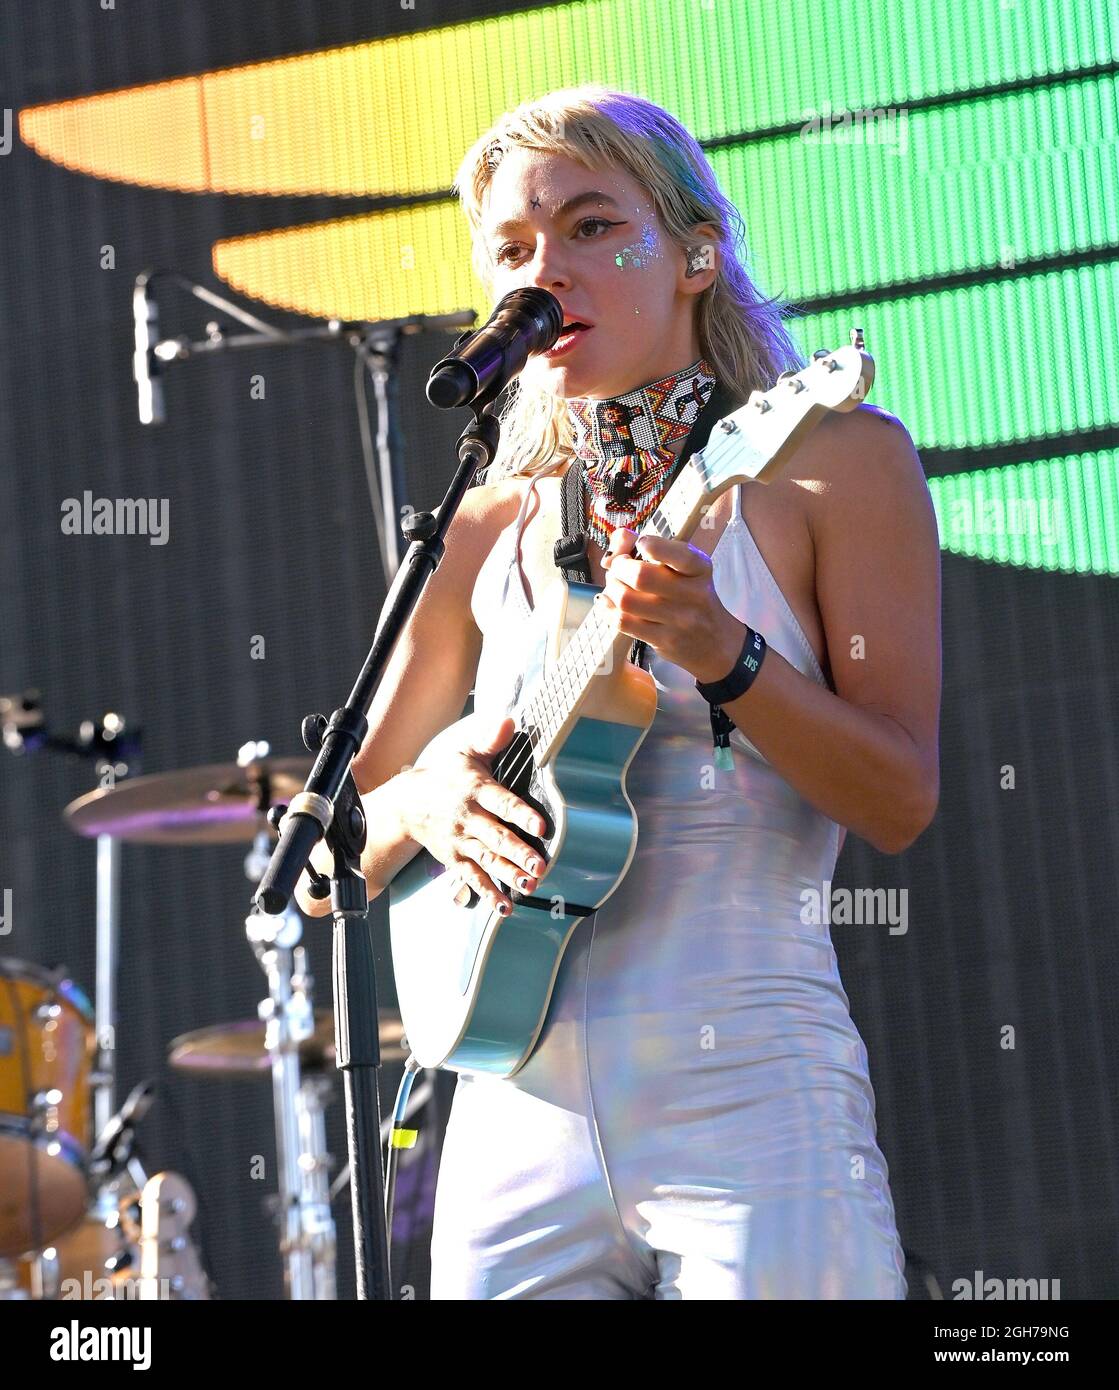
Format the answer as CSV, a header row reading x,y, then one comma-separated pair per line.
x,y
377,351
330,805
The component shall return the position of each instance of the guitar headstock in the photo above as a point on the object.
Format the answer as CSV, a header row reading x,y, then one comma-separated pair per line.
x,y
771,425
836,380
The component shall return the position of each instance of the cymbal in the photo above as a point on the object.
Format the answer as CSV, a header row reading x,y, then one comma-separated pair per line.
x,y
237,1049
213,805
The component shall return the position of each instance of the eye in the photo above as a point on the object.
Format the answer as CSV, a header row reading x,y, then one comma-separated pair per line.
x,y
502,258
600,220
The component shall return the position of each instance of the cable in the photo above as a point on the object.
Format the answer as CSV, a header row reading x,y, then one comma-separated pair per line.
x,y
400,1137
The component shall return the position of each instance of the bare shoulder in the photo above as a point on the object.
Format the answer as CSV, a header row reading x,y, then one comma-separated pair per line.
x,y
492,506
853,453
482,515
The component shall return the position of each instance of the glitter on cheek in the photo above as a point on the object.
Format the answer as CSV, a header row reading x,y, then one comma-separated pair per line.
x,y
641,252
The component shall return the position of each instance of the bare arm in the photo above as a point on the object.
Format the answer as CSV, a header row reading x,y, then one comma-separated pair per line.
x,y
424,688
867,756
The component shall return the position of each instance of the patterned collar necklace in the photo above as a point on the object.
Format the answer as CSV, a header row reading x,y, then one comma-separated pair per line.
x,y
624,445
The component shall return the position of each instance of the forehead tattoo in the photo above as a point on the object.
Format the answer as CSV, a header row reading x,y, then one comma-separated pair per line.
x,y
536,202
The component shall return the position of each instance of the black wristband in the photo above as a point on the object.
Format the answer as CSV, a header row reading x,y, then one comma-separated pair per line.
x,y
742,674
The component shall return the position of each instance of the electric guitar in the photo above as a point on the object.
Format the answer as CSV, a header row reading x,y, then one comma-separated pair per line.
x,y
473,986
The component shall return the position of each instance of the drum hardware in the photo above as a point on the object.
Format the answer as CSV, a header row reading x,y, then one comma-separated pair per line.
x,y
218,804
157,1222
237,1050
68,1240
307,1233
221,804
83,1262
93,1259
14,1281
133,1246
114,749
214,804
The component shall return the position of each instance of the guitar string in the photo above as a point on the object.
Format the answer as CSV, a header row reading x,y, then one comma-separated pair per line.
x,y
532,732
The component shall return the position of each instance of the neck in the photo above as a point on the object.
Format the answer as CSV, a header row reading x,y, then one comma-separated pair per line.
x,y
628,445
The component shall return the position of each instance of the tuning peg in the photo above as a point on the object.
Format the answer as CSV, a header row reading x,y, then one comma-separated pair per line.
x,y
857,338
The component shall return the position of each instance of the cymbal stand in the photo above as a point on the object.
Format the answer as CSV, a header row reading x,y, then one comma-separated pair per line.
x,y
307,1242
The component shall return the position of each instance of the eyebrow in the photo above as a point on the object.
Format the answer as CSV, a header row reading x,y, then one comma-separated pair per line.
x,y
579,200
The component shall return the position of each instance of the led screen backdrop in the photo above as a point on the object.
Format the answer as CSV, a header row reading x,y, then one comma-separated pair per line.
x,y
944,175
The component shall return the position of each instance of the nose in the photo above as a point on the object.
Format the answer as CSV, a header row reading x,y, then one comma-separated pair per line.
x,y
546,270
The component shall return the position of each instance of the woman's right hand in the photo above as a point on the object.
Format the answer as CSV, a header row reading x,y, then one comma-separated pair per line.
x,y
456,809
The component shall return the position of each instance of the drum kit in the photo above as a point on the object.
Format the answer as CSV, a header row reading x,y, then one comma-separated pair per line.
x,y
78,1215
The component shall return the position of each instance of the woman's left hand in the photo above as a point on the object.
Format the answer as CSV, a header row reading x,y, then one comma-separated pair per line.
x,y
668,600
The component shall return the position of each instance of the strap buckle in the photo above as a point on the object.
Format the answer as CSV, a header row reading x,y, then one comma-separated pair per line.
x,y
570,550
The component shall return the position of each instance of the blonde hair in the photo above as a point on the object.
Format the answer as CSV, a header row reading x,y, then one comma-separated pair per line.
x,y
740,332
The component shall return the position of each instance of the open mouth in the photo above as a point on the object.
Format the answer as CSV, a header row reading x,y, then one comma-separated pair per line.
x,y
568,338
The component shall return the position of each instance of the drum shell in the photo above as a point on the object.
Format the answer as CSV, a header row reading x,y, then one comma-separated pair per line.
x,y
47,1044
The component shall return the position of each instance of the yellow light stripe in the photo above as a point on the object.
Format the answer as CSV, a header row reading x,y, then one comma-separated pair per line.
x,y
375,266
150,135
388,117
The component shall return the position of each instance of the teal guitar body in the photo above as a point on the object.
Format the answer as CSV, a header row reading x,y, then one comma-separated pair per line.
x,y
474,986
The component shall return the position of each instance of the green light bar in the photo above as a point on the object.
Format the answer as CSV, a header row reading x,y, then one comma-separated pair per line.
x,y
1055,515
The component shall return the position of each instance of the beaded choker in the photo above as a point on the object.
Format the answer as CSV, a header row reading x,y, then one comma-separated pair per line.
x,y
624,445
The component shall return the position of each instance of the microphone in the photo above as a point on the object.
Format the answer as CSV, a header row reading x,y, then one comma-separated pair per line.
x,y
526,321
146,369
114,1143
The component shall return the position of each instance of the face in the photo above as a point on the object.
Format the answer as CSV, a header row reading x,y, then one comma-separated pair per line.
x,y
608,261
